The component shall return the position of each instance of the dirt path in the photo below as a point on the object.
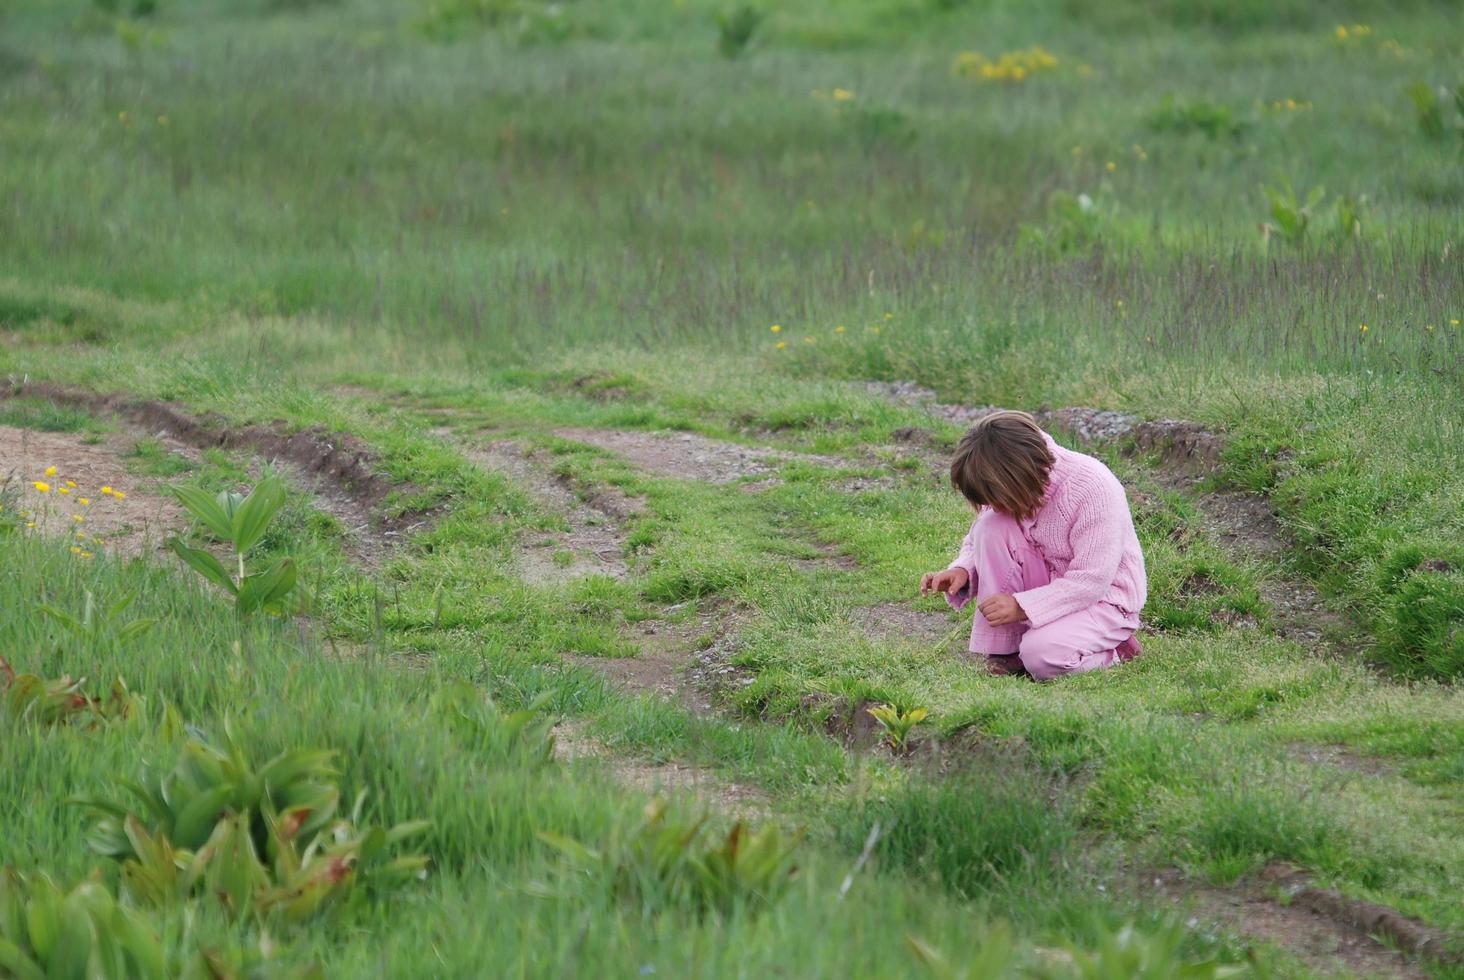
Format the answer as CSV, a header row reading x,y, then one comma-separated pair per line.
x,y
688,456
594,541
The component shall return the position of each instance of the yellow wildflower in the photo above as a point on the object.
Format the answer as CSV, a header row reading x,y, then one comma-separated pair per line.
x,y
1362,328
30,524
163,120
1077,151
42,486
76,549
84,501
1429,327
891,316
106,491
71,484
780,345
62,490
843,95
808,339
1341,32
77,518
122,117
776,328
86,554
1454,322
839,329
119,495
1110,166
50,471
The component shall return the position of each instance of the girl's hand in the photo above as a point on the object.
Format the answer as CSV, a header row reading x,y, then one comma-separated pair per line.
x,y
950,581
1001,610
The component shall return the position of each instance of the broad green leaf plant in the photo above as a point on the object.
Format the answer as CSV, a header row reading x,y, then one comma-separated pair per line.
x,y
83,934
264,841
240,522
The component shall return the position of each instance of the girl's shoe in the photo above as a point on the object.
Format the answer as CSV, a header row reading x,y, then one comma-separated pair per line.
x,y
1128,649
1007,665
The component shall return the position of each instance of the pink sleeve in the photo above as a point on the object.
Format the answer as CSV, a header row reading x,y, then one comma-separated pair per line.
x,y
965,559
1097,541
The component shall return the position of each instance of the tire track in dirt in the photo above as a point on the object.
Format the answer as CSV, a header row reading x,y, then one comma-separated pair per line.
x,y
689,456
338,468
594,542
1322,940
655,778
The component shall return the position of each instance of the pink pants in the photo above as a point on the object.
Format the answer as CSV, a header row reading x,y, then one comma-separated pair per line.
x,y
1006,562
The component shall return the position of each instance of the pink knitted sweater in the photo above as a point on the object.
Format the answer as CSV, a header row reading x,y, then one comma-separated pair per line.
x,y
1085,532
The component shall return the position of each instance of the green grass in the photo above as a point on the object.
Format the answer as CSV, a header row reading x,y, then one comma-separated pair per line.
x,y
383,216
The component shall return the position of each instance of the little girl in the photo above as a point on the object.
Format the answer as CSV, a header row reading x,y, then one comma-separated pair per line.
x,y
1052,559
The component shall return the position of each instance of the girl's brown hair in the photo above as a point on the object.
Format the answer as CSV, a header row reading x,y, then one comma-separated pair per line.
x,y
1003,462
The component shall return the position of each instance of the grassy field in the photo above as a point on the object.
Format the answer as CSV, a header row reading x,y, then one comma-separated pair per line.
x,y
587,296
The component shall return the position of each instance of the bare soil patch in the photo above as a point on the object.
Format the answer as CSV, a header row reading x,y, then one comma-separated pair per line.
x,y
894,621
688,456
338,468
659,778
593,544
131,525
1339,757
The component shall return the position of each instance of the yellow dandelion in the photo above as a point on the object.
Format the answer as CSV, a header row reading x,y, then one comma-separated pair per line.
x,y
1362,328
891,316
76,549
42,486
843,95
839,329
1341,32
84,501
30,524
86,554
118,494
77,518
62,490
50,471
776,328
1110,166
780,345
874,330
106,491
71,484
